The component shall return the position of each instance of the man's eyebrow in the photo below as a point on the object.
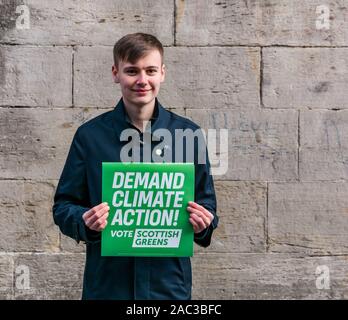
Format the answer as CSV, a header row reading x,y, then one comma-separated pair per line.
x,y
134,67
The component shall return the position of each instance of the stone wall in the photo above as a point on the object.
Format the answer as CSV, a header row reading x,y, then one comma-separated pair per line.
x,y
272,72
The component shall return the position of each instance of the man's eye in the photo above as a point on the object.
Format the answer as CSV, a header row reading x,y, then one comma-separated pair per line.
x,y
131,72
151,71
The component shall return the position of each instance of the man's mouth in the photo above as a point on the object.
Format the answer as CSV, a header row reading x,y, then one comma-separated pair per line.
x,y
140,90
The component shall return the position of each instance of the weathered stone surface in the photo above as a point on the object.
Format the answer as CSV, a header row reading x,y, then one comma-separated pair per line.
x,y
262,145
27,223
281,22
324,145
34,143
6,276
8,15
305,78
35,76
308,217
52,276
93,83
268,276
195,78
242,213
208,78
69,245
64,22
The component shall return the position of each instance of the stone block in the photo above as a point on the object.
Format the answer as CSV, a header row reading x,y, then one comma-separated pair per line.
x,y
264,23
51,276
35,76
308,218
27,223
64,22
302,78
323,145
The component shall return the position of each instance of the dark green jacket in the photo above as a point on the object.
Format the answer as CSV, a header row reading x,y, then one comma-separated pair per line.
x,y
79,189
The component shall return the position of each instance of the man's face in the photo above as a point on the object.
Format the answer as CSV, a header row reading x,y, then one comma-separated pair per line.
x,y
140,82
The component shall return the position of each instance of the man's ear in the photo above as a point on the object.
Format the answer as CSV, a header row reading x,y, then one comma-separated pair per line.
x,y
163,72
115,74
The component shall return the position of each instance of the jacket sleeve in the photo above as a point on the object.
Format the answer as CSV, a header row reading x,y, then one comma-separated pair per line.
x,y
205,196
71,199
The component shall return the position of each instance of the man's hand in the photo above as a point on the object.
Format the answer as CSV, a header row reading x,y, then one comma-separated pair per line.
x,y
95,218
200,217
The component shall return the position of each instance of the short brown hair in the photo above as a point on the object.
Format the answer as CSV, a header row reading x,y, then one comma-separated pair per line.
x,y
134,46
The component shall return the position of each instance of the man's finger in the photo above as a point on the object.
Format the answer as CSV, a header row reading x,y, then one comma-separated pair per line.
x,y
200,214
199,221
99,222
204,212
93,210
102,227
96,216
194,224
199,207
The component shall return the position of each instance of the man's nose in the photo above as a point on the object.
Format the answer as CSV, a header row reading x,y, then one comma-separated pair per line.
x,y
142,78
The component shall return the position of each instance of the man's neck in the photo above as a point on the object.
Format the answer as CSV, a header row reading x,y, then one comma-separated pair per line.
x,y
138,115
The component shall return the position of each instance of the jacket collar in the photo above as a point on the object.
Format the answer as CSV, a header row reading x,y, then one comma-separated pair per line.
x,y
121,121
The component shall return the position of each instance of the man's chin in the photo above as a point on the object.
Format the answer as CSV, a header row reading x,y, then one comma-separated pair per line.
x,y
142,101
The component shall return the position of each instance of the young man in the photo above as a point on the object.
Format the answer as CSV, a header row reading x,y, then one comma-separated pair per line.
x,y
78,211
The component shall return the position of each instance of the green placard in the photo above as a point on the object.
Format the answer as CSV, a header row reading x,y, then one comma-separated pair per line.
x,y
148,215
